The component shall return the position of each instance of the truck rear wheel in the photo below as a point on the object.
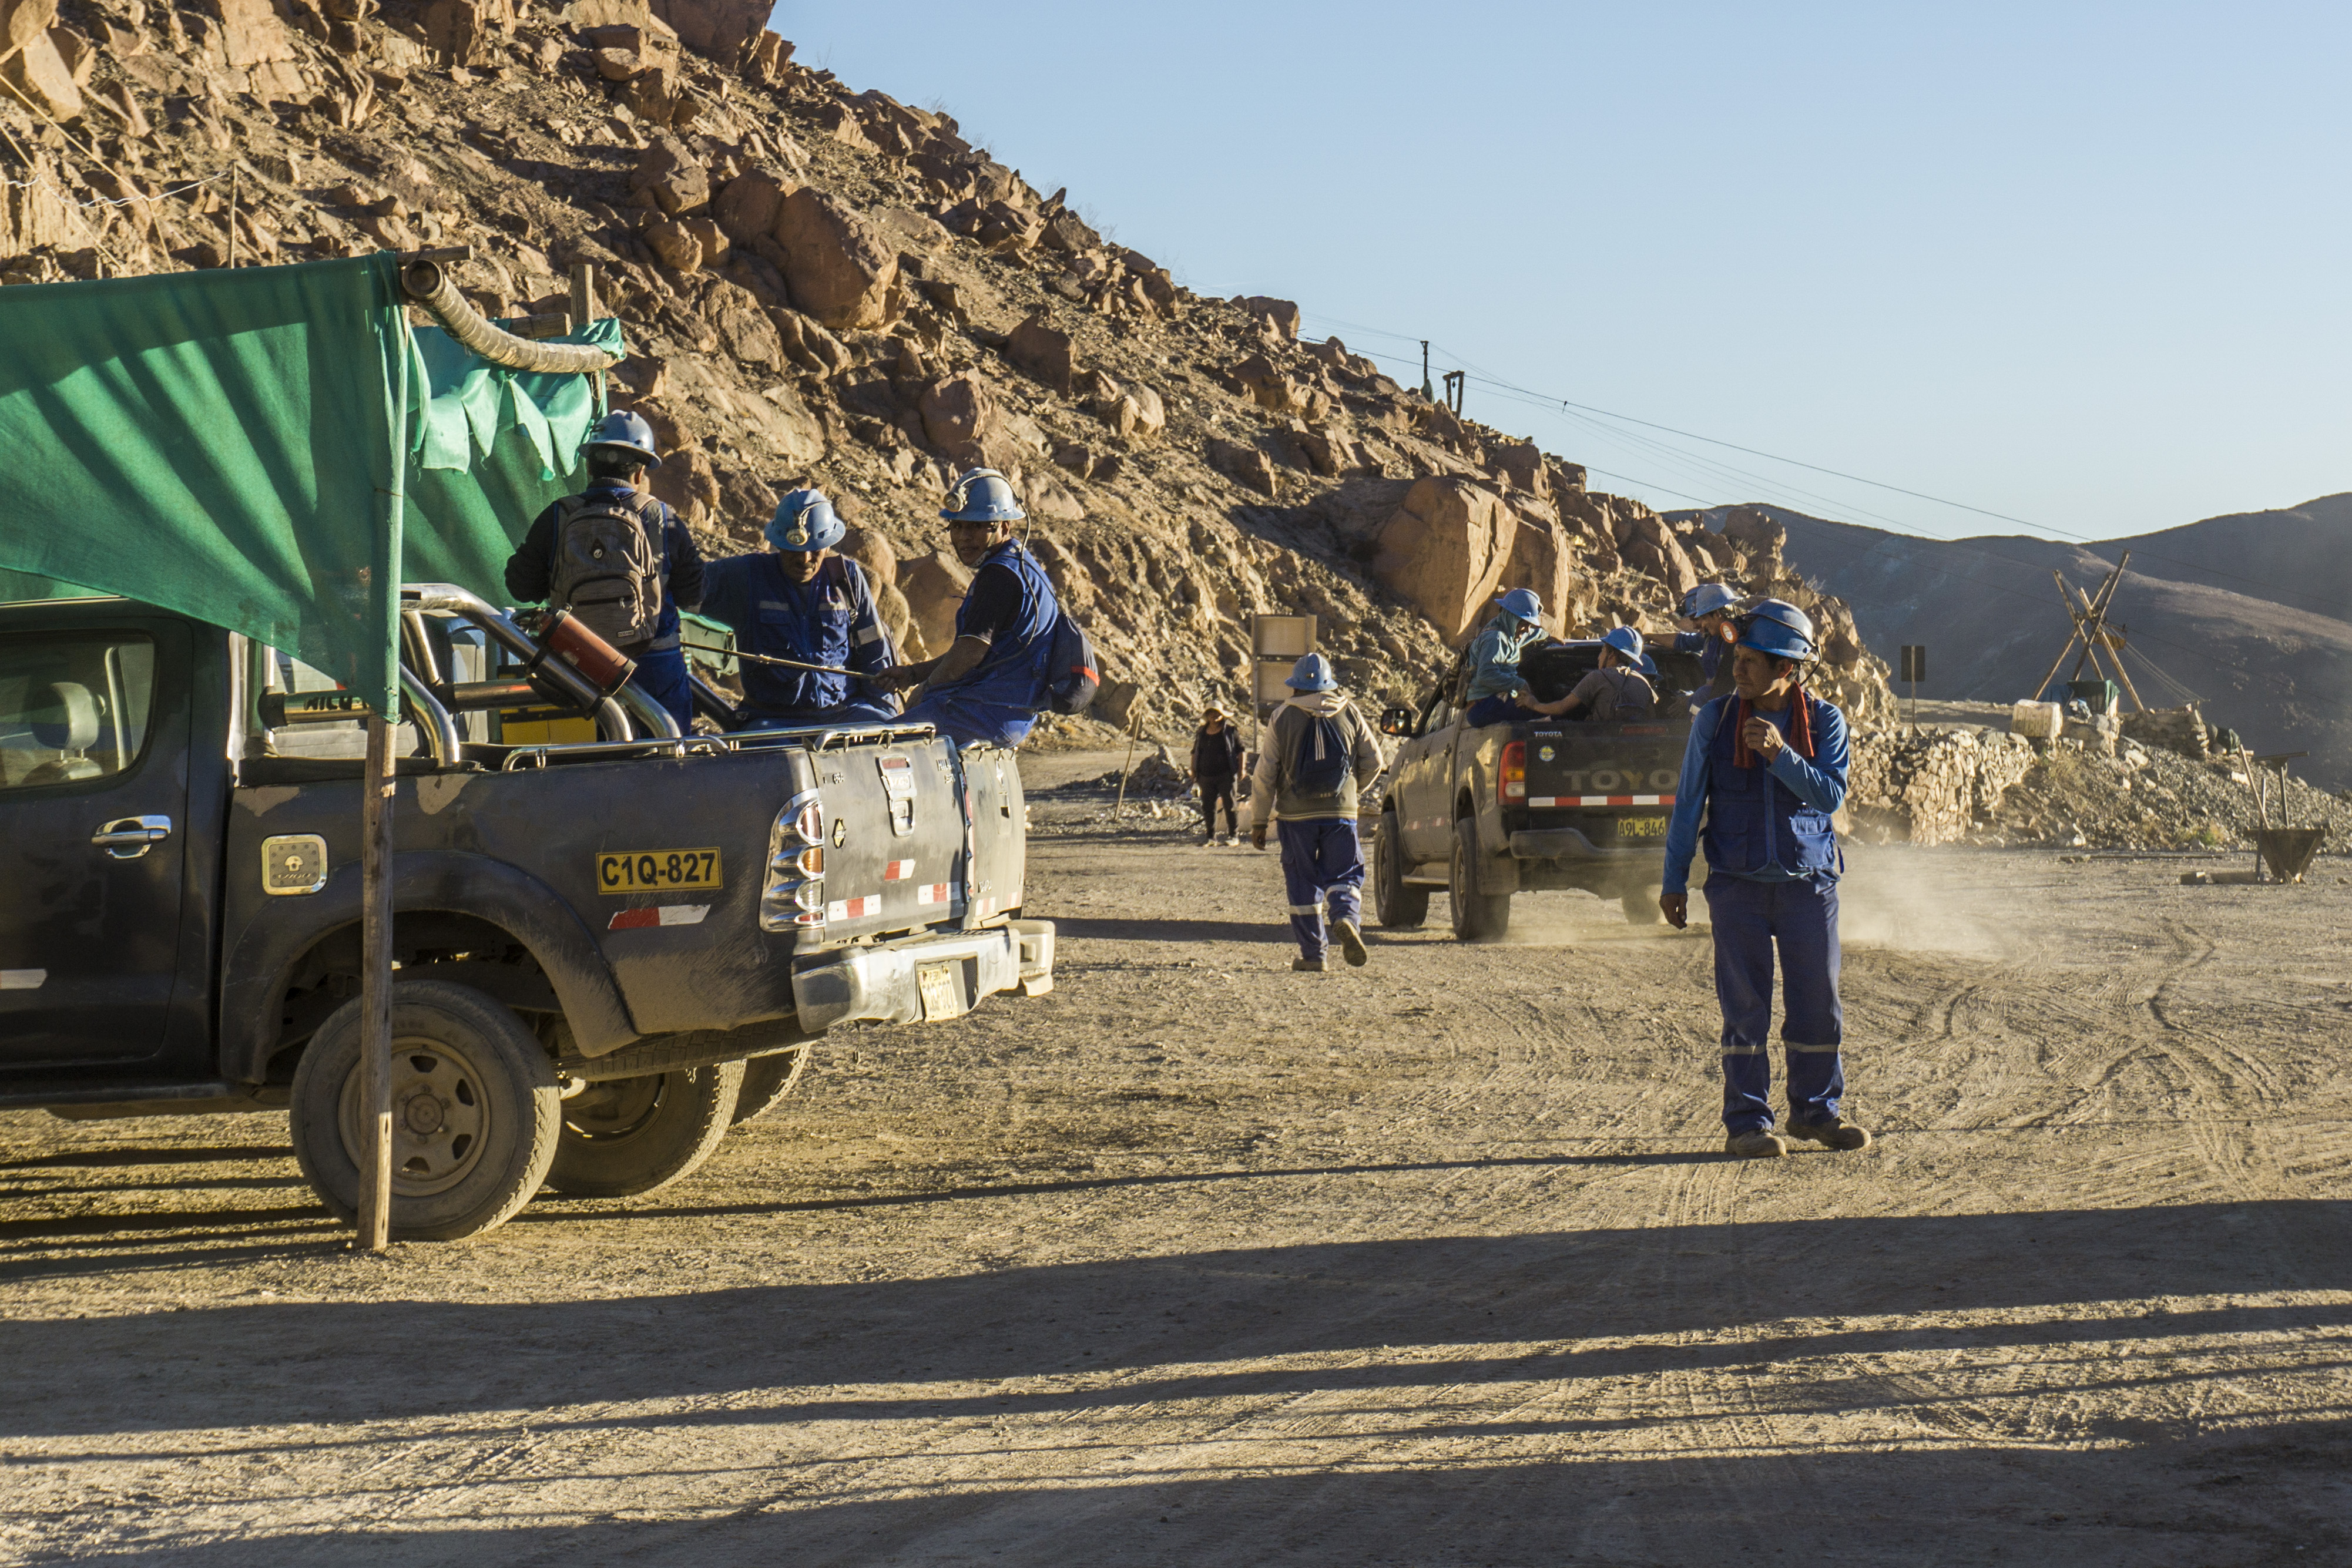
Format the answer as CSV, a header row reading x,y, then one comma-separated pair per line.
x,y
1478,917
474,1112
768,1079
1397,905
1641,908
623,1136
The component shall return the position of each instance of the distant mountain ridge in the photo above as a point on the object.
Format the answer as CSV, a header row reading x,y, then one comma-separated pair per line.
x,y
2253,611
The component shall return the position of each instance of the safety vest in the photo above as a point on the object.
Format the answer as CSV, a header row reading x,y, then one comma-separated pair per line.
x,y
1012,672
1753,821
821,621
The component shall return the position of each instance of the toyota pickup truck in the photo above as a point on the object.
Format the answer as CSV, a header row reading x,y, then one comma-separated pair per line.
x,y
1487,812
609,949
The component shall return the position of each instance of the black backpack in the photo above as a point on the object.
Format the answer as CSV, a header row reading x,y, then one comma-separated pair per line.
x,y
607,566
1073,673
1324,759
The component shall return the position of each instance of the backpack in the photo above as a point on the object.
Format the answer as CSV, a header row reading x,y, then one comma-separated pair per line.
x,y
1073,673
1321,767
607,568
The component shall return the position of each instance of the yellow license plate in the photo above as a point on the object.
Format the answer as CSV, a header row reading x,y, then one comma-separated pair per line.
x,y
656,870
1640,827
942,999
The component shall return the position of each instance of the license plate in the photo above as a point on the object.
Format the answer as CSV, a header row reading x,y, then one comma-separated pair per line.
x,y
1640,827
941,998
649,871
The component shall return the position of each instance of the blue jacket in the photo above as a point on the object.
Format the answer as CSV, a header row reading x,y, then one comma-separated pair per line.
x,y
1495,656
1768,823
530,568
1012,672
830,619
1711,651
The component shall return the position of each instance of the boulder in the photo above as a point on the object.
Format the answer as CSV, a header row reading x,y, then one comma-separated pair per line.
x,y
749,335
808,345
251,34
1136,413
677,246
659,95
898,619
1754,531
1543,559
934,585
22,21
1044,352
671,177
872,551
1280,315
961,419
1267,385
41,78
1445,551
716,29
838,267
1649,546
1520,465
747,206
1245,465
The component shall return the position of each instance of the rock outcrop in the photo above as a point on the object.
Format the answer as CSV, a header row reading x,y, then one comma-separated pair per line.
x,y
821,285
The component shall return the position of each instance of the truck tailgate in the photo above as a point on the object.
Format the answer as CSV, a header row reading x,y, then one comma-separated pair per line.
x,y
1581,766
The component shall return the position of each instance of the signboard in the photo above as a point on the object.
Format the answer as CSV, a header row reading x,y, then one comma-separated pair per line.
x,y
1271,673
1290,637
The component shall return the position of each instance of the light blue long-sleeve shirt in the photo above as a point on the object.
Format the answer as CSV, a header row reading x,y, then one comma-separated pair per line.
x,y
1495,656
1819,781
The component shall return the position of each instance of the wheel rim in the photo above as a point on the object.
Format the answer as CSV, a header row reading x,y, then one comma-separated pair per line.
x,y
441,1117
616,1110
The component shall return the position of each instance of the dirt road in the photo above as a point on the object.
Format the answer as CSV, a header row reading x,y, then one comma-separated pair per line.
x,y
1197,1262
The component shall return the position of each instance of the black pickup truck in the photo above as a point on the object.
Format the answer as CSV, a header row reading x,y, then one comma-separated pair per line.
x,y
1517,808
610,949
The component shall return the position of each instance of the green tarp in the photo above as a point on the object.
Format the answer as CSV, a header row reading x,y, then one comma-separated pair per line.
x,y
256,448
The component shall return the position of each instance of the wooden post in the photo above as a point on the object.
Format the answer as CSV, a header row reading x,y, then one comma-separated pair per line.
x,y
236,179
1134,723
376,987
583,307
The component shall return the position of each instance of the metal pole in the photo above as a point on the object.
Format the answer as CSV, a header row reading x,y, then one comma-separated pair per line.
x,y
236,178
1134,722
375,988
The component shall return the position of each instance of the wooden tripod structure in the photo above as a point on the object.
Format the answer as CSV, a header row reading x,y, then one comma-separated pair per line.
x,y
2089,614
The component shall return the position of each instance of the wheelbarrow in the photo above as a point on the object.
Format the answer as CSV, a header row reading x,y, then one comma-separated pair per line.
x,y
2288,851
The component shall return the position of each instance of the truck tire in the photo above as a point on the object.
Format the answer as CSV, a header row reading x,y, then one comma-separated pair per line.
x,y
1397,906
474,1110
1641,908
623,1136
768,1079
1478,917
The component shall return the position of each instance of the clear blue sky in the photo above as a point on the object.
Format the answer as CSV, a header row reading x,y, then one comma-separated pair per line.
x,y
2085,264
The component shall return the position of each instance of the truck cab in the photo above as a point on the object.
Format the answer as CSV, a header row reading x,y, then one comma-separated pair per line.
x,y
609,950
1487,812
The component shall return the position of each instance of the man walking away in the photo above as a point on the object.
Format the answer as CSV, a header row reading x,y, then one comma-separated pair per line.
x,y
620,561
800,601
1316,752
1768,767
991,683
1216,763
1616,693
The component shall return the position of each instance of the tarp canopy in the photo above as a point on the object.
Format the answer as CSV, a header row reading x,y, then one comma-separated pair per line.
x,y
257,448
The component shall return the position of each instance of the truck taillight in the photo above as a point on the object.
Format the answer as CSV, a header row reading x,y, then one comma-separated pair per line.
x,y
793,894
1511,782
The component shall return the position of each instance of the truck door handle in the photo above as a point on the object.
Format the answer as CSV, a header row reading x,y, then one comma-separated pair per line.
x,y
128,838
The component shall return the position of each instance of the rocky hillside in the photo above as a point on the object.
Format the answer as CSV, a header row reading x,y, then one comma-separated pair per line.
x,y
2248,610
824,285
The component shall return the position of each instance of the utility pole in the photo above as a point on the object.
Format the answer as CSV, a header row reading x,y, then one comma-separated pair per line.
x,y
1428,394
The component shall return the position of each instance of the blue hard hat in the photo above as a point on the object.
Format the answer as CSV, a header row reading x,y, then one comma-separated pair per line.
x,y
622,428
982,496
1649,667
804,520
1626,641
1706,599
1312,673
1523,603
1777,627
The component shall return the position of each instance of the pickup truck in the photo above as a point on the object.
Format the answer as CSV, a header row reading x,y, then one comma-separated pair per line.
x,y
609,949
1517,808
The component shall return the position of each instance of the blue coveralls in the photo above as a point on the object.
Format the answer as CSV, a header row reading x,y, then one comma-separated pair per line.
x,y
661,662
1322,866
1772,874
1495,671
996,703
829,620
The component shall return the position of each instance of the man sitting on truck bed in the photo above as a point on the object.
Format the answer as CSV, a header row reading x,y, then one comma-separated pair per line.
x,y
1618,692
1497,692
989,685
620,561
799,602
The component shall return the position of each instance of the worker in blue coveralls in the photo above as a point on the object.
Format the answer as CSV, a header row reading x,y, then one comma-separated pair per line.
x,y
619,559
1767,766
1316,752
1710,608
1497,695
989,686
799,600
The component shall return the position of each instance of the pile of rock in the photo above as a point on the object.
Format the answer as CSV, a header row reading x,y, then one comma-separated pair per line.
x,y
1931,786
824,284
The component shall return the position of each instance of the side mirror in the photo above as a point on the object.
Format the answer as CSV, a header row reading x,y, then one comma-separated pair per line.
x,y
1397,721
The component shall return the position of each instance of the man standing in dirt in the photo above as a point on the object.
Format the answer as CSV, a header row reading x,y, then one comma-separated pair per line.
x,y
1216,763
1767,765
1314,755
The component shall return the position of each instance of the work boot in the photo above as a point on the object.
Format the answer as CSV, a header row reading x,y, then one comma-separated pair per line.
x,y
1351,942
1758,1144
1309,965
1837,1133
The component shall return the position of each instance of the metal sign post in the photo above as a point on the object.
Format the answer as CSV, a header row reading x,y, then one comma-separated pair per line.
x,y
1914,670
375,988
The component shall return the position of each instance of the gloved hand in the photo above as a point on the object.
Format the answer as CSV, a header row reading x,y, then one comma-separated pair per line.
x,y
1257,835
